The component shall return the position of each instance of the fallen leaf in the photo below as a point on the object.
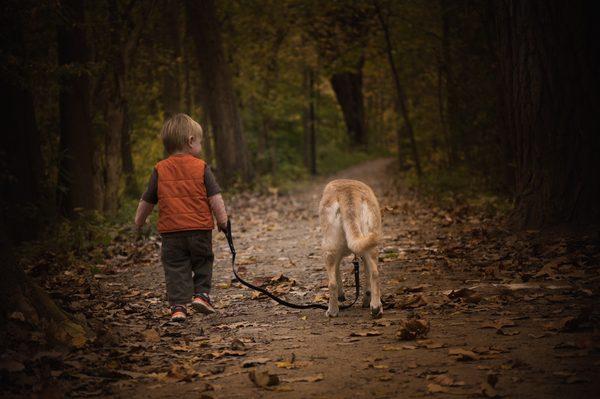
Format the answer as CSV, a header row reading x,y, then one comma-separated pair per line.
x,y
463,354
255,362
237,345
285,365
12,366
227,352
369,333
306,378
151,335
460,293
435,388
499,324
411,302
429,344
443,379
507,332
488,391
413,329
181,372
263,379
17,316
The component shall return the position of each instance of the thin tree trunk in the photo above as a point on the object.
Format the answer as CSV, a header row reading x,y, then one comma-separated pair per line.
x,y
76,140
449,94
131,186
172,85
310,147
115,119
231,150
548,64
401,97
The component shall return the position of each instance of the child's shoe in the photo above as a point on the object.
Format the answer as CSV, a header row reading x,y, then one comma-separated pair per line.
x,y
201,303
178,313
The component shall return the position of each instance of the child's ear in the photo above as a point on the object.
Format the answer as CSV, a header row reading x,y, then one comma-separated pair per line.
x,y
191,140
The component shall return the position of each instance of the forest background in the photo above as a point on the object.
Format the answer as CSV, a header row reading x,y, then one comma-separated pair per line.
x,y
487,99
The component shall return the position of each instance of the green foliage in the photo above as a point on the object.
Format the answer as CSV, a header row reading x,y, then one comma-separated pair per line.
x,y
69,239
449,186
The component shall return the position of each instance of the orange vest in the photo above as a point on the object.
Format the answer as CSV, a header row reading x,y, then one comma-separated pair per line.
x,y
182,201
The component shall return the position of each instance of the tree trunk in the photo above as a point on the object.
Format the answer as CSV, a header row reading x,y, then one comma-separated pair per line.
x,y
131,187
22,197
449,92
348,91
76,140
310,146
401,97
231,150
549,58
172,85
115,119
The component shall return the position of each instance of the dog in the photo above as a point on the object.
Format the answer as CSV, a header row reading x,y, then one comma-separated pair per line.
x,y
350,222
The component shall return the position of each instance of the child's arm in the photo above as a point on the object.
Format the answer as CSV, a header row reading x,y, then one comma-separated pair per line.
x,y
143,210
148,200
215,200
218,209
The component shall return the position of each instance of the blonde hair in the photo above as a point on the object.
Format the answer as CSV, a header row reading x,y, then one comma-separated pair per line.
x,y
176,131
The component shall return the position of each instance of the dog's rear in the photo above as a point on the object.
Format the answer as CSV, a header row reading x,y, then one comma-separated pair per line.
x,y
351,223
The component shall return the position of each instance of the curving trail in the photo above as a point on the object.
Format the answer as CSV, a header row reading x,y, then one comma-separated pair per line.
x,y
497,331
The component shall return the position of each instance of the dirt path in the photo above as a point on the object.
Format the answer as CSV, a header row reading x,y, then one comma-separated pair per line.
x,y
536,339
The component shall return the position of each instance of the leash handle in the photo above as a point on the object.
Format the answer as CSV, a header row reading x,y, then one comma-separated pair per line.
x,y
229,236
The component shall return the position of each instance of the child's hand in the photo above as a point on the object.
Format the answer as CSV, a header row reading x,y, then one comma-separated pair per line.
x,y
142,232
222,227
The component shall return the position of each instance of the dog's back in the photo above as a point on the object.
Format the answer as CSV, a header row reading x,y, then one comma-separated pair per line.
x,y
350,217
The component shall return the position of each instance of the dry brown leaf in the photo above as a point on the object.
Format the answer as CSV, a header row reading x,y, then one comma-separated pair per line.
x,y
499,324
151,335
255,361
411,302
435,388
12,366
413,329
508,332
263,379
227,352
429,344
488,391
306,378
463,354
369,333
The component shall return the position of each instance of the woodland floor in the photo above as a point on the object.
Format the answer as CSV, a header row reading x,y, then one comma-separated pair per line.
x,y
510,315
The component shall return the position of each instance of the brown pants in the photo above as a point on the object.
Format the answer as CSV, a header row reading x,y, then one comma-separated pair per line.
x,y
187,259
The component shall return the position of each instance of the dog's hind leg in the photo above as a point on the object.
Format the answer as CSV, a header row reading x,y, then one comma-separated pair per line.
x,y
332,262
371,260
340,285
366,301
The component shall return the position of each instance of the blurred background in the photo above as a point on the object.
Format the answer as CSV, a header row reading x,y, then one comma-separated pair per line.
x,y
492,97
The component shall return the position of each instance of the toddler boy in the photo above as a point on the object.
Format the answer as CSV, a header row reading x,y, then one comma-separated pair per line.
x,y
188,195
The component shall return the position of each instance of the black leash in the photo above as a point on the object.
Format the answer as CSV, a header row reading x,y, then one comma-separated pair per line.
x,y
277,299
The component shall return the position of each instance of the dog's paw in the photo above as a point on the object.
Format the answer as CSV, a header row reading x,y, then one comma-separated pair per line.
x,y
366,300
332,312
342,297
377,312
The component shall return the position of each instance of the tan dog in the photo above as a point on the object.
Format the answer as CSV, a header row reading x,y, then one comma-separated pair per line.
x,y
351,223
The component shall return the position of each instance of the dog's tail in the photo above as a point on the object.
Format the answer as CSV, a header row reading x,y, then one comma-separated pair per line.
x,y
353,218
